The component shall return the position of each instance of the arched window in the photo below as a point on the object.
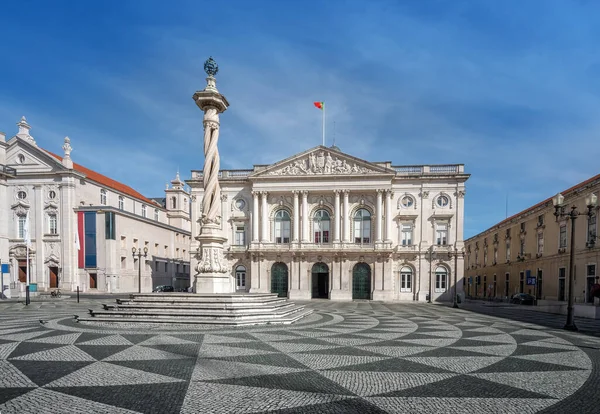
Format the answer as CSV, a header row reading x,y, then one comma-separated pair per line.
x,y
406,279
441,279
362,227
240,278
321,226
103,197
282,227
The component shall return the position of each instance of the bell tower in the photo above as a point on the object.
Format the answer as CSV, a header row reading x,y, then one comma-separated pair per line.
x,y
177,202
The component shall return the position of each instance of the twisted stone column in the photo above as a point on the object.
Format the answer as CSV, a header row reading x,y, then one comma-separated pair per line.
x,y
211,209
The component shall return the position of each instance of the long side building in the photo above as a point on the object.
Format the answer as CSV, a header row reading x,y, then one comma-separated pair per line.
x,y
529,253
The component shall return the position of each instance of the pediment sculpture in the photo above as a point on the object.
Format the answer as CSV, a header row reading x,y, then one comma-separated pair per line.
x,y
321,163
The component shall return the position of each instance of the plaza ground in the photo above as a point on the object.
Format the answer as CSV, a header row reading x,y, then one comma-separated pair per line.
x,y
354,357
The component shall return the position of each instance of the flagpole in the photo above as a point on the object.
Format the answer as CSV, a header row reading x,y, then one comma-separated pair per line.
x,y
323,124
27,276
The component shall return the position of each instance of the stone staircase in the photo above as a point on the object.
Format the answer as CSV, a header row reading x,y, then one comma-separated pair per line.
x,y
204,309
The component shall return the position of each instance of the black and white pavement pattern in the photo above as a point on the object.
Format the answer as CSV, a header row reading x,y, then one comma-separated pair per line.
x,y
357,357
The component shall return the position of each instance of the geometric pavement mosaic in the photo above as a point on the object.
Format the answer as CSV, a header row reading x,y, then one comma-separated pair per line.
x,y
357,357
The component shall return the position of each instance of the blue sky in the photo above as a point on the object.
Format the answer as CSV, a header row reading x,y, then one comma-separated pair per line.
x,y
509,88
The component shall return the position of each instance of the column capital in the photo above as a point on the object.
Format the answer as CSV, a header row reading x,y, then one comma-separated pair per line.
x,y
255,193
264,193
346,192
305,193
389,193
337,191
295,193
380,191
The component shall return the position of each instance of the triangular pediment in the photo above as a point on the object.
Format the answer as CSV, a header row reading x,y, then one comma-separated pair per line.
x,y
27,158
321,161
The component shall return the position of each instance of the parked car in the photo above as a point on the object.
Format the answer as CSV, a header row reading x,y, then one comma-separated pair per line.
x,y
164,288
523,299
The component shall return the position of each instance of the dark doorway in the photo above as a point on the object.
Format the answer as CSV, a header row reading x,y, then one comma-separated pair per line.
x,y
53,276
93,281
279,279
23,271
320,281
361,281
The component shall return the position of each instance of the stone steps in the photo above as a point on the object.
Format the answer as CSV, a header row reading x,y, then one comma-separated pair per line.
x,y
212,309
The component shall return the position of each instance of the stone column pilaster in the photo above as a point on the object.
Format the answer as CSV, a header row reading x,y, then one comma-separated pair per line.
x,y
388,216
264,218
346,215
378,216
336,218
255,215
296,235
305,220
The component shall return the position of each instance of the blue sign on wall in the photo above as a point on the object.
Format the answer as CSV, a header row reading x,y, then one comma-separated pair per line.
x,y
5,268
531,281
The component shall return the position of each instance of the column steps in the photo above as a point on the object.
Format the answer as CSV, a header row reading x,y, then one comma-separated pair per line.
x,y
225,309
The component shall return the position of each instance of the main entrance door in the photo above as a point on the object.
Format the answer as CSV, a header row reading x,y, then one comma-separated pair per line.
x,y
320,281
279,279
53,276
23,271
361,281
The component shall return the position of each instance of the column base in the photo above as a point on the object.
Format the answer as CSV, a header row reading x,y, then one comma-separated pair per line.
x,y
296,294
383,295
213,283
340,295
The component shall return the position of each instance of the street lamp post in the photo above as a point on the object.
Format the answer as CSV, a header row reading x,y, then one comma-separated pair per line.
x,y
559,212
139,254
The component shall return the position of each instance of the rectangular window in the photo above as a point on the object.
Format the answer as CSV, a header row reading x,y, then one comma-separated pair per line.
x,y
563,237
591,230
52,224
143,210
506,284
540,220
405,282
522,227
123,242
21,229
156,266
156,214
123,262
441,235
156,248
562,283
485,257
90,239
508,250
522,247
540,243
521,282
240,236
103,197
121,203
495,255
407,233
109,221
440,282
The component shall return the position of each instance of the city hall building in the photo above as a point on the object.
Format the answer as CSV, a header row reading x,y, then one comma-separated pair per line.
x,y
326,224
84,226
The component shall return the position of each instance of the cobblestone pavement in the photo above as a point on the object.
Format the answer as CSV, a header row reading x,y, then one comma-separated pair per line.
x,y
358,357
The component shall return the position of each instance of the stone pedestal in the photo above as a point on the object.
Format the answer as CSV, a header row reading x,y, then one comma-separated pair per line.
x,y
212,273
340,295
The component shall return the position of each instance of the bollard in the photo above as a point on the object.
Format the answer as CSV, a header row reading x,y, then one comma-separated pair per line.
x,y
77,294
27,301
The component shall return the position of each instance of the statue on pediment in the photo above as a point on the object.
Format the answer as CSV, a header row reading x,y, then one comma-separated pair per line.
x,y
321,163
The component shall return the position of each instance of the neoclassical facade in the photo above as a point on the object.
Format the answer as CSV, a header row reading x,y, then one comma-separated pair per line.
x,y
325,224
84,225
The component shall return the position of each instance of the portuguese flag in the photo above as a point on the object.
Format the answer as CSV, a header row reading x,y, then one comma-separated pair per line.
x,y
320,105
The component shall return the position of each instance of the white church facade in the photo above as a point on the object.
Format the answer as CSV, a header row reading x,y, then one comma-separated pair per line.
x,y
325,224
84,226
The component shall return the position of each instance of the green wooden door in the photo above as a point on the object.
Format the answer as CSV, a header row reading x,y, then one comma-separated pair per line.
x,y
361,281
279,279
